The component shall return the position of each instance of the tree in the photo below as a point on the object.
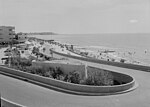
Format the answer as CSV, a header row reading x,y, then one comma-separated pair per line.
x,y
41,43
35,50
44,49
122,60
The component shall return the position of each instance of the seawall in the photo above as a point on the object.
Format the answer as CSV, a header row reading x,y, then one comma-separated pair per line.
x,y
118,64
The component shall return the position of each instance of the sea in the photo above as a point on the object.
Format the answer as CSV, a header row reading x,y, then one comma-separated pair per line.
x,y
129,42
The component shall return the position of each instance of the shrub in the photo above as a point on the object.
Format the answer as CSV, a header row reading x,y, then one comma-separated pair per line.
x,y
44,49
60,77
32,58
25,62
98,78
112,59
87,81
41,43
48,74
74,77
58,71
122,60
35,50
103,78
66,78
40,70
7,61
19,62
55,73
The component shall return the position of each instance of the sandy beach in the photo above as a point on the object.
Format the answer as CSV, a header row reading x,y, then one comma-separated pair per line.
x,y
130,55
99,52
133,47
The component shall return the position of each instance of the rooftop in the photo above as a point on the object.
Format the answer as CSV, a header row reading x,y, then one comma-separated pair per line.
x,y
12,27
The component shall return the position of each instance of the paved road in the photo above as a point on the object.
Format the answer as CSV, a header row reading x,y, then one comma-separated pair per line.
x,y
36,96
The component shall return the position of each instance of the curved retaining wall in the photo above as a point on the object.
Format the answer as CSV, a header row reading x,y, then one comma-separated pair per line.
x,y
75,88
121,78
7,103
118,64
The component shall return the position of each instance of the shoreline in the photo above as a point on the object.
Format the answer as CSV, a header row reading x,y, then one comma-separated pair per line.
x,y
119,42
98,52
132,55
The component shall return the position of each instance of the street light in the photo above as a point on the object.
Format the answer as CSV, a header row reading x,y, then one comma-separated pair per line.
x,y
86,76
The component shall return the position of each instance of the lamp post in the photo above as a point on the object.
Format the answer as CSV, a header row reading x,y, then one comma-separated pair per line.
x,y
86,76
0,100
9,56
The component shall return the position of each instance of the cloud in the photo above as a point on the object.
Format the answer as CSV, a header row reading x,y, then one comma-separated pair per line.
x,y
133,21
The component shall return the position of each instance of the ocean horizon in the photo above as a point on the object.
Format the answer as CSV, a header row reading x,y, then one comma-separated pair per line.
x,y
123,40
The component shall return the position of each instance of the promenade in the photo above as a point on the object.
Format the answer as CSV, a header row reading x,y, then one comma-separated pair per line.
x,y
32,95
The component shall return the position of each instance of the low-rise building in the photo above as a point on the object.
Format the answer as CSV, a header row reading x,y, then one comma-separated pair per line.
x,y
21,37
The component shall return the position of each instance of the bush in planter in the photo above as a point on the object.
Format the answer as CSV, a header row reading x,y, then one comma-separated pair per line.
x,y
60,77
87,81
37,70
103,78
98,78
48,74
31,69
32,58
122,60
25,62
55,73
18,61
73,77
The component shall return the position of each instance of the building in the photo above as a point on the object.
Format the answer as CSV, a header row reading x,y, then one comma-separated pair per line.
x,y
7,34
21,37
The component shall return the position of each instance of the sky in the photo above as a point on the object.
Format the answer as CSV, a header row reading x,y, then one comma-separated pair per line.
x,y
76,16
